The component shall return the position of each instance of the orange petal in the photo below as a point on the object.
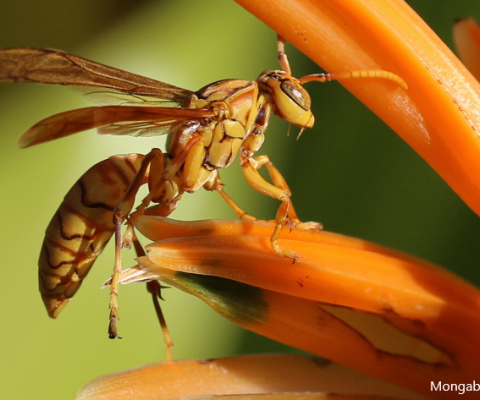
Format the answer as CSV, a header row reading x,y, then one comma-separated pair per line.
x,y
439,113
373,309
260,377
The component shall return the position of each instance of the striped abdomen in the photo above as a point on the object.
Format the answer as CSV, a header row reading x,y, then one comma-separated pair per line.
x,y
81,228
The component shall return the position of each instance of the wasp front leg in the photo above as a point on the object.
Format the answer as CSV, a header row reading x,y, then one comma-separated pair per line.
x,y
280,182
279,190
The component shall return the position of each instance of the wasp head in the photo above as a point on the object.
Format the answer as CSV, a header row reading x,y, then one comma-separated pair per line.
x,y
290,100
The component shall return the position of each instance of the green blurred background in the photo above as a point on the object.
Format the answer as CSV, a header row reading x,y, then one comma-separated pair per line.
x,y
350,172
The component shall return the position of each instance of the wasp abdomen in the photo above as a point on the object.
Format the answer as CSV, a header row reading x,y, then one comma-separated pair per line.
x,y
81,227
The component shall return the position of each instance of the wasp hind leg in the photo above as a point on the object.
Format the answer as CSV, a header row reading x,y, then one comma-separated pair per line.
x,y
121,212
155,289
117,269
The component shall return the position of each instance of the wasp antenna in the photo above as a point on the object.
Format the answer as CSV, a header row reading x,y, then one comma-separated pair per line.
x,y
315,78
282,56
374,73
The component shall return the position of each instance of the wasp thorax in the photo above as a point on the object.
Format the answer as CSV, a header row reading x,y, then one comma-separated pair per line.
x,y
290,100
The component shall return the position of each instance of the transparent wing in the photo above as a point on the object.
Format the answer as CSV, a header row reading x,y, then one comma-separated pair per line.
x,y
98,80
118,120
112,97
141,129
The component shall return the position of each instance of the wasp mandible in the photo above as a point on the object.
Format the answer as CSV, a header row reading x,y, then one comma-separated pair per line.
x,y
207,130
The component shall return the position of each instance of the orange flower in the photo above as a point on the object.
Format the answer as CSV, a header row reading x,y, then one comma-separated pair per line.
x,y
384,313
438,114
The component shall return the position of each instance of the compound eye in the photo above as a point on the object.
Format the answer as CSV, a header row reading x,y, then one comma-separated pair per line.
x,y
296,93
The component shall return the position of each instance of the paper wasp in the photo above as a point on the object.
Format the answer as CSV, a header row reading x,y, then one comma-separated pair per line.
x,y
207,130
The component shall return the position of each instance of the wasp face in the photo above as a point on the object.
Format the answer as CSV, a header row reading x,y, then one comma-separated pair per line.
x,y
290,100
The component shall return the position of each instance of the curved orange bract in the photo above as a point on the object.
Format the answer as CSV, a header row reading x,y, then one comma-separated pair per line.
x,y
377,310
